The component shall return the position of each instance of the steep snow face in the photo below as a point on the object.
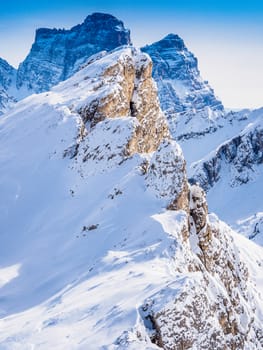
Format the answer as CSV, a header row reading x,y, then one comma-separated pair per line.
x,y
188,102
7,79
233,174
88,250
233,124
252,227
241,156
58,53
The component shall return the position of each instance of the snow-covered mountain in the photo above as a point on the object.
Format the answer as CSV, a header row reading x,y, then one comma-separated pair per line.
x,y
194,114
104,244
58,53
7,80
233,172
188,101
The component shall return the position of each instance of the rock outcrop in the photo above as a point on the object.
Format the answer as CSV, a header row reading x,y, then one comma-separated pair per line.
x,y
58,53
252,227
237,159
212,307
187,100
116,99
166,176
125,89
7,78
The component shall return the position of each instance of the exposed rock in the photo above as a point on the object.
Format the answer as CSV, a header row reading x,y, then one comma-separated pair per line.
x,y
166,176
199,222
252,227
124,88
6,101
58,53
239,156
7,78
7,73
188,102
212,308
198,208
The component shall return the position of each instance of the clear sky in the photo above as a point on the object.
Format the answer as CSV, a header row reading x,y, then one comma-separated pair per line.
x,y
225,35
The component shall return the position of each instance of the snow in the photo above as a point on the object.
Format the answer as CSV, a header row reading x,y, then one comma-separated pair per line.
x,y
251,227
187,100
8,273
235,167
233,203
55,273
83,243
198,148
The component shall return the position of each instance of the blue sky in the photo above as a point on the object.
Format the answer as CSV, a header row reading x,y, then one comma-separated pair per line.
x,y
226,36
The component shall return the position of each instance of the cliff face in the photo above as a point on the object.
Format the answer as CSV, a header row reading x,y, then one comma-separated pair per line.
x,y
7,78
187,100
126,89
235,169
58,53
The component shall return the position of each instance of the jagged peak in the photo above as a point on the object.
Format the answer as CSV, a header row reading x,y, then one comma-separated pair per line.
x,y
100,16
97,19
61,52
170,41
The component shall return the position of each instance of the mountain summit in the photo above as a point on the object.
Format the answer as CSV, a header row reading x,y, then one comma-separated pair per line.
x,y
58,53
187,100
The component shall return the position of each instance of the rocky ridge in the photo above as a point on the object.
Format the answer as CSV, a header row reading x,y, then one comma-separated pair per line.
x,y
235,168
209,254
241,155
207,308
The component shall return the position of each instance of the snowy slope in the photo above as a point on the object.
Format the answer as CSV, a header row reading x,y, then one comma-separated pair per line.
x,y
232,174
90,258
233,124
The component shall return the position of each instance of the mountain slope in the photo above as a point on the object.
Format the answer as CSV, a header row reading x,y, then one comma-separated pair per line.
x,y
94,259
187,100
235,168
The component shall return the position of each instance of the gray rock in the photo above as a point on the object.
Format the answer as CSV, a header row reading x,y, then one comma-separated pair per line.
x,y
187,100
7,77
240,155
58,53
